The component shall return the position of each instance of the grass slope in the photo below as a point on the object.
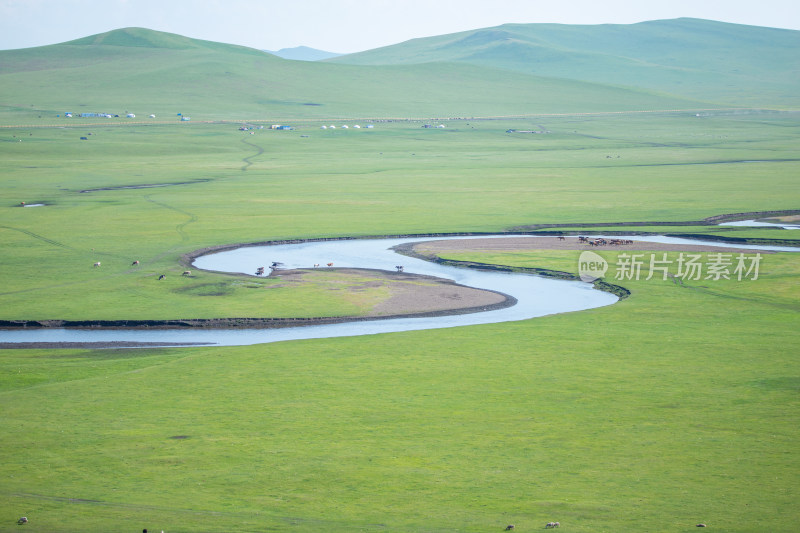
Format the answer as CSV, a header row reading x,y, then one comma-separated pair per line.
x,y
655,414
150,72
707,60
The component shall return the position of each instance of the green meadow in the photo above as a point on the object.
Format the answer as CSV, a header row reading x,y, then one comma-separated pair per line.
x,y
673,407
153,193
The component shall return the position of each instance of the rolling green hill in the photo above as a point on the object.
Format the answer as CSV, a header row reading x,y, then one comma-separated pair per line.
x,y
693,58
145,71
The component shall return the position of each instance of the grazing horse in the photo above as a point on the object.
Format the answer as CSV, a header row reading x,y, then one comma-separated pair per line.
x,y
162,276
399,268
561,238
97,264
187,273
330,264
135,263
509,527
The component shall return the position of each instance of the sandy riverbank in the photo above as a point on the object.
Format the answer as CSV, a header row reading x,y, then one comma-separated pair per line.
x,y
433,248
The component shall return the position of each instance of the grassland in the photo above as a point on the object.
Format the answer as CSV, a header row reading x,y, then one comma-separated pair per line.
x,y
219,185
674,407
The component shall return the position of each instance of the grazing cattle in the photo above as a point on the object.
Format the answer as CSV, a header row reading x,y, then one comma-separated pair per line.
x,y
135,263
316,265
509,527
550,525
23,520
701,525
97,264
330,264
260,271
162,276
187,273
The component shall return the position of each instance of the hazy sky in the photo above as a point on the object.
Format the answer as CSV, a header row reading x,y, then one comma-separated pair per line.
x,y
346,26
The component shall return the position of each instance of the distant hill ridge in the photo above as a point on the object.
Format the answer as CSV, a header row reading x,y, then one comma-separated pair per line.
x,y
140,37
691,57
146,38
514,69
303,53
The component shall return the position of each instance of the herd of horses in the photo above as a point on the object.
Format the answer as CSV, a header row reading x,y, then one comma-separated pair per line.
x,y
549,525
260,271
160,277
601,241
277,265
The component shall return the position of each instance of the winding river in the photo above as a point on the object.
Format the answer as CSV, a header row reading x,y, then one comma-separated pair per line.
x,y
536,296
760,224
